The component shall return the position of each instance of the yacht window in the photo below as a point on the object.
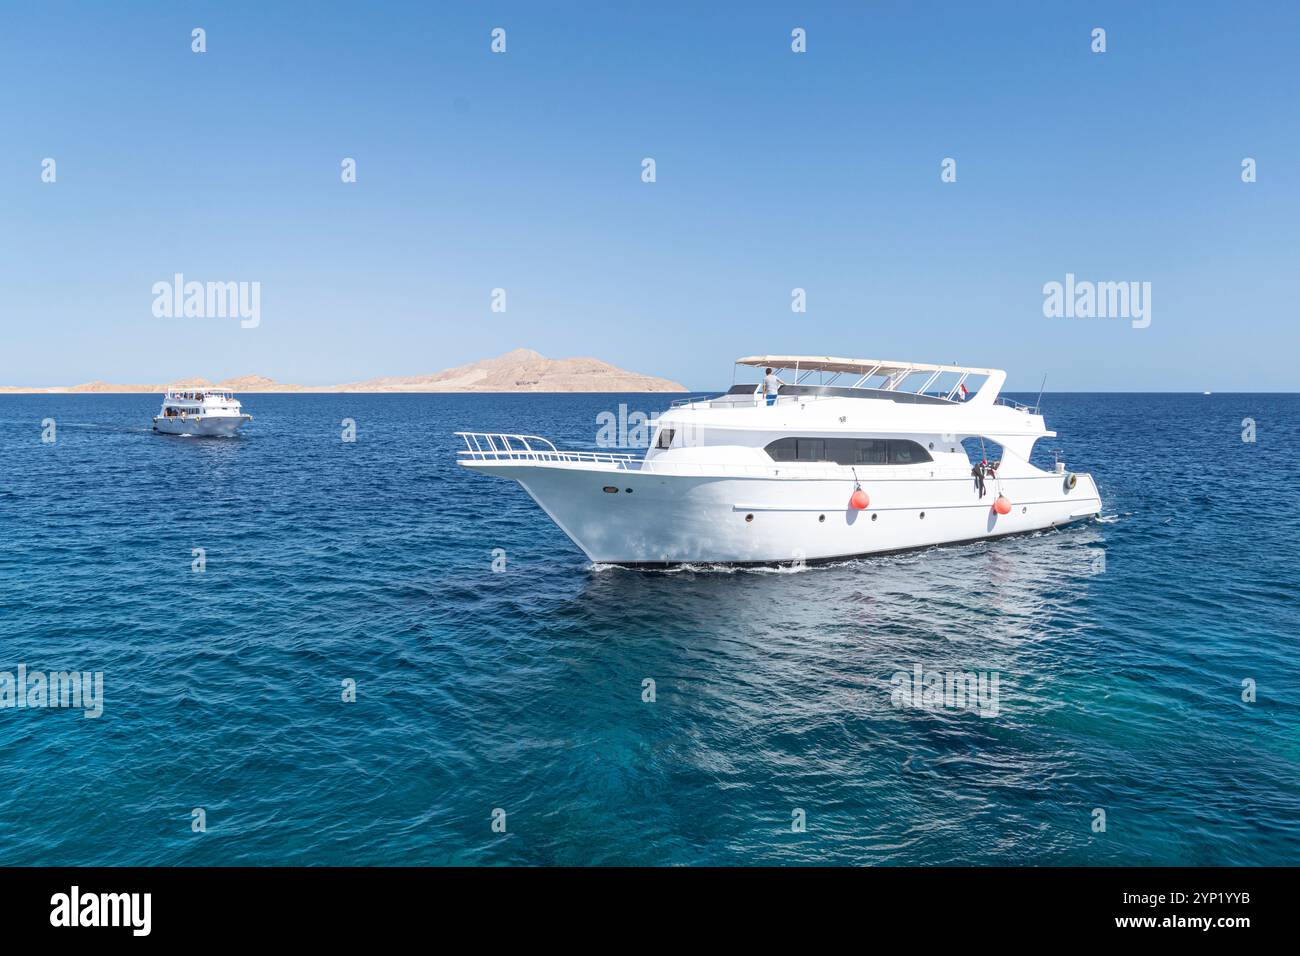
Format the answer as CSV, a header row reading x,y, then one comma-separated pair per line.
x,y
849,451
665,439
862,451
903,452
781,450
810,449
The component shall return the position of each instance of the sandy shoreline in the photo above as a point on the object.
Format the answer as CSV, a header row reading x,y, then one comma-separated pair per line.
x,y
521,370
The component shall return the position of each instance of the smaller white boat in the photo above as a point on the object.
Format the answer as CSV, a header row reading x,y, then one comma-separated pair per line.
x,y
200,411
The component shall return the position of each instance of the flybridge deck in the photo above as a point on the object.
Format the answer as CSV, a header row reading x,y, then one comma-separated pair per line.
x,y
889,375
885,378
198,395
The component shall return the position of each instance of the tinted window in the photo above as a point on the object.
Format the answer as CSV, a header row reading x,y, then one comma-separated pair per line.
x,y
782,449
859,451
849,451
810,449
665,437
902,452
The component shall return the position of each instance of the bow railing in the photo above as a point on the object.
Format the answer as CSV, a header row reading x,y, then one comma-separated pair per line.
x,y
504,446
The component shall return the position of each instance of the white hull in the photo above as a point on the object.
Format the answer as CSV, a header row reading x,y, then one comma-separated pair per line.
x,y
686,519
206,426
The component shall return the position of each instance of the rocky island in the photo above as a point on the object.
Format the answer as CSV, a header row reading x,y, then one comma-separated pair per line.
x,y
521,370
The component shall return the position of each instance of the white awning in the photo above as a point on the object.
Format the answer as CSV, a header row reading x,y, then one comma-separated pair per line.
x,y
872,367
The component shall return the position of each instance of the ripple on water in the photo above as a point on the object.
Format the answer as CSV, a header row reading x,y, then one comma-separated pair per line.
x,y
1120,679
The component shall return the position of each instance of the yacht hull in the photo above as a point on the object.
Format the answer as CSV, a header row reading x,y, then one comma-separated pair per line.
x,y
666,519
206,426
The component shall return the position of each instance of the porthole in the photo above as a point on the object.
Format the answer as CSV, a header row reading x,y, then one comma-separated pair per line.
x,y
922,515
874,517
749,517
931,446
628,490
610,490
821,517
1024,510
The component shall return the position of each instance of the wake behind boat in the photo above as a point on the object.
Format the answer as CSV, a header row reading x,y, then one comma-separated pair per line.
x,y
200,412
794,471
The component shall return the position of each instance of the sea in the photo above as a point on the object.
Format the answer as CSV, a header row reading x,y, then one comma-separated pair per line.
x,y
322,651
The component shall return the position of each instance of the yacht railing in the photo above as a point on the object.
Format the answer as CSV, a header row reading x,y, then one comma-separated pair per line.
x,y
1028,409
503,446
746,399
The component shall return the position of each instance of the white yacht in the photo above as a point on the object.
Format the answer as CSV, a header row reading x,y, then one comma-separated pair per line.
x,y
200,411
849,465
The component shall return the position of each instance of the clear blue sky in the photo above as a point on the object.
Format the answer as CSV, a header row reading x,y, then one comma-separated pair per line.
x,y
775,170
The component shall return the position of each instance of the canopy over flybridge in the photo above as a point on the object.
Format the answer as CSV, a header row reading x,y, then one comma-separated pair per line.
x,y
892,374
867,367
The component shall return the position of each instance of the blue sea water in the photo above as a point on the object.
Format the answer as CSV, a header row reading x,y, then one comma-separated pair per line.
x,y
1121,647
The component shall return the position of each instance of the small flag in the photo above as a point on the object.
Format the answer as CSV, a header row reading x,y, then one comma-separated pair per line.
x,y
964,392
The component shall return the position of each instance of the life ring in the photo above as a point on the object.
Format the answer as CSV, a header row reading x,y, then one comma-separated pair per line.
x,y
1070,481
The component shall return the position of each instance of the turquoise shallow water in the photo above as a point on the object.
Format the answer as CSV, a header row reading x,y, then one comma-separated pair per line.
x,y
1120,686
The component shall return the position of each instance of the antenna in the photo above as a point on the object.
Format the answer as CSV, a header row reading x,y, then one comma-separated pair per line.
x,y
1038,404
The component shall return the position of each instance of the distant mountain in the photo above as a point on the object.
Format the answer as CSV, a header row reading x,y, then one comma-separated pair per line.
x,y
521,370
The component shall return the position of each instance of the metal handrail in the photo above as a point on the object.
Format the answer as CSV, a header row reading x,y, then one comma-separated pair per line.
x,y
501,446
1003,400
474,442
730,400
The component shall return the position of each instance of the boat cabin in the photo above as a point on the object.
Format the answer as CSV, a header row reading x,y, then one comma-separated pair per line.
x,y
828,411
194,401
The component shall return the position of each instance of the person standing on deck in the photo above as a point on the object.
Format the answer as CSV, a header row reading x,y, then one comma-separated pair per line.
x,y
770,385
